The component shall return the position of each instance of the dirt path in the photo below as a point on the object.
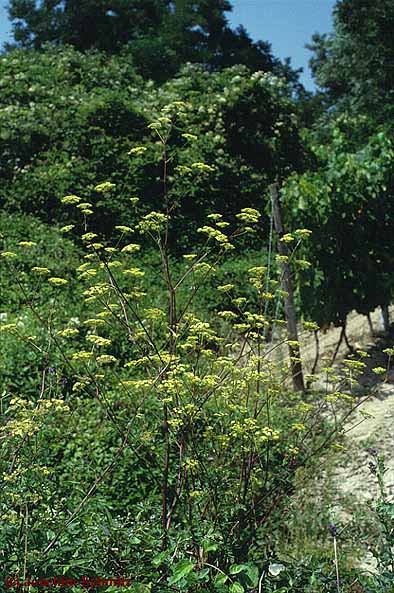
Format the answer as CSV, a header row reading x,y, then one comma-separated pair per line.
x,y
375,431
352,479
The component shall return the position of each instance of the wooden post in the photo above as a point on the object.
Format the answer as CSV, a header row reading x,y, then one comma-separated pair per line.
x,y
287,286
385,318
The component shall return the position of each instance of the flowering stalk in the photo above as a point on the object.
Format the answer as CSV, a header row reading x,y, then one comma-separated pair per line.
x,y
334,532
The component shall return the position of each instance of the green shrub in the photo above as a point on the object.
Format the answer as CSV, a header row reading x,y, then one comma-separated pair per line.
x,y
173,446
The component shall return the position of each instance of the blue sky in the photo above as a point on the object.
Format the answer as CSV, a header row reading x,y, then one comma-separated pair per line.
x,y
4,24
286,24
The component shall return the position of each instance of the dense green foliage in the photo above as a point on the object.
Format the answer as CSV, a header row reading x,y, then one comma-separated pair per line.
x,y
68,118
151,411
346,197
158,35
145,427
351,189
354,64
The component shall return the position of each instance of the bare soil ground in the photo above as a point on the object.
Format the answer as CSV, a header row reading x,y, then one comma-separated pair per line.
x,y
352,479
377,430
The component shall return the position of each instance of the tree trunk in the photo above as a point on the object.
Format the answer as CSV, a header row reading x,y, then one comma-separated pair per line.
x,y
287,286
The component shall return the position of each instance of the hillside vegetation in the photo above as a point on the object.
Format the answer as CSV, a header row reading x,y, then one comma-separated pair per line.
x,y
148,431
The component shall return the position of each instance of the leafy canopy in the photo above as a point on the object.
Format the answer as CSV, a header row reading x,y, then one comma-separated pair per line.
x,y
161,35
67,116
354,65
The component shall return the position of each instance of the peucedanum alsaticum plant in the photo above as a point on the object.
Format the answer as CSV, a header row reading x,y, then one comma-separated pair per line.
x,y
175,431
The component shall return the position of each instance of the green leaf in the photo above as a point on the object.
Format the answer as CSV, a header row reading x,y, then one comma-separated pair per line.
x,y
203,574
237,568
253,575
221,579
159,559
181,569
236,588
209,546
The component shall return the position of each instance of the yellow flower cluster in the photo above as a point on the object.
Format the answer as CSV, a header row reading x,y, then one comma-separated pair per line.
x,y
94,322
68,332
124,229
88,236
137,150
71,199
104,187
7,327
131,248
27,243
81,356
105,359
249,215
98,340
67,228
57,281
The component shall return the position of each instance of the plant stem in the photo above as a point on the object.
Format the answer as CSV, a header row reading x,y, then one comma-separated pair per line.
x,y
336,565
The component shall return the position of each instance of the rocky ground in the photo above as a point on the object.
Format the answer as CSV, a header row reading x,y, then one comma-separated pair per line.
x,y
376,430
348,488
354,486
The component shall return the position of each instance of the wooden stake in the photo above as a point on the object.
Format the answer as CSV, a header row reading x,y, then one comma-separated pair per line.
x,y
385,318
287,286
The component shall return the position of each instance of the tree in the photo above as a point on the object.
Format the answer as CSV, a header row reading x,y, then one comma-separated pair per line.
x,y
348,204
161,35
85,24
67,116
355,64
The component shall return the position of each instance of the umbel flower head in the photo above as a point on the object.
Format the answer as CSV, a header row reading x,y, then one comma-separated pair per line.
x,y
71,199
104,187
